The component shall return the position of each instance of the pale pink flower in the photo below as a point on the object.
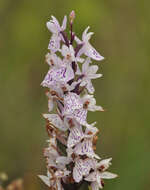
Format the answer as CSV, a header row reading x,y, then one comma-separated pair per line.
x,y
54,26
54,180
86,146
89,73
99,174
87,48
69,54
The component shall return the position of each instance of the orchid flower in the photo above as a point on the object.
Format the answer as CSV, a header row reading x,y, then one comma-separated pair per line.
x,y
100,173
69,54
54,180
87,48
89,73
86,147
54,27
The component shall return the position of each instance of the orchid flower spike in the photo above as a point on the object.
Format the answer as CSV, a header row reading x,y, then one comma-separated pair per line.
x,y
70,154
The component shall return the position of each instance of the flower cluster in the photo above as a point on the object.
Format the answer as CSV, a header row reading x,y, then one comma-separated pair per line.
x,y
70,155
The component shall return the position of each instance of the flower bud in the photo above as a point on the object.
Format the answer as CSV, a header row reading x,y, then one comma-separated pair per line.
x,y
72,16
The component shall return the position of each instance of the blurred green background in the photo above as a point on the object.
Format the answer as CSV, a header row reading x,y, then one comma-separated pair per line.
x,y
122,36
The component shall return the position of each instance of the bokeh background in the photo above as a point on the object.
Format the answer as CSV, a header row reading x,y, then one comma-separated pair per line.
x,y
122,35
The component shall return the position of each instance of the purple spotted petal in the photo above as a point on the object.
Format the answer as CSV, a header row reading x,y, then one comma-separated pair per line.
x,y
56,77
82,168
75,136
78,171
72,102
85,148
54,43
80,115
91,52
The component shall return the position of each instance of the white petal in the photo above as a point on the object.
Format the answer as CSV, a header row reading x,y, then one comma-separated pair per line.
x,y
91,52
77,40
90,87
95,108
51,151
85,65
63,160
65,50
93,69
56,23
51,27
84,82
96,156
54,44
59,185
107,175
95,186
105,163
50,105
63,27
47,80
56,121
91,128
91,177
71,50
69,74
94,76
53,60
99,180
86,37
51,154
81,51
78,59
45,179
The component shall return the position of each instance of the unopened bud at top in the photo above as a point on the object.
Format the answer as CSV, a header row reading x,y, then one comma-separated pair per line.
x,y
72,16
